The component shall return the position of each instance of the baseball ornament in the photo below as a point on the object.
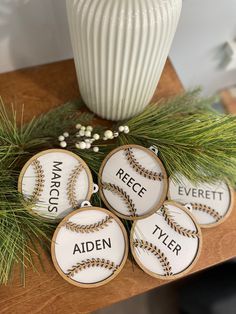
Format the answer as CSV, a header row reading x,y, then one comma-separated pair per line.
x,y
56,182
167,244
89,247
210,204
133,182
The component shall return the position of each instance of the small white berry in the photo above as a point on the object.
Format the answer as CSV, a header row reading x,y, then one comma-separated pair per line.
x,y
126,131
82,145
77,145
87,140
87,133
61,138
121,128
88,145
108,134
81,133
105,139
89,128
126,127
96,136
83,128
116,134
63,144
78,126
77,134
96,149
66,134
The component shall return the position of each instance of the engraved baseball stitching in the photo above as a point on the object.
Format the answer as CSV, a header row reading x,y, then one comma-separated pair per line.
x,y
71,193
88,228
157,252
39,181
208,210
94,262
174,225
120,192
140,169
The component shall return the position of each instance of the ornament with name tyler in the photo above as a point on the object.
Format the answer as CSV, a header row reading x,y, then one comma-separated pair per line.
x,y
89,247
211,204
168,243
133,182
56,182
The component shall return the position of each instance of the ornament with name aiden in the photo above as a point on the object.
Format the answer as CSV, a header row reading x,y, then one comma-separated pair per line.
x,y
167,244
133,182
89,247
210,204
56,181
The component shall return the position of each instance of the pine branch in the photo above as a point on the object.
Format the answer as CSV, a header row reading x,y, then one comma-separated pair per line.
x,y
192,140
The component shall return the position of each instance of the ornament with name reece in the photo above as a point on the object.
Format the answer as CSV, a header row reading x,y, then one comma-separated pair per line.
x,y
56,182
133,182
166,244
210,204
89,247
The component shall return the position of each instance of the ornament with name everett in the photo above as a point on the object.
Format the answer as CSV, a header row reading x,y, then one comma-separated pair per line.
x,y
133,182
210,204
89,247
56,182
167,244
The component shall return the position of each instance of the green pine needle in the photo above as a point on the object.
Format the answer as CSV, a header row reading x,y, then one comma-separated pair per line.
x,y
192,139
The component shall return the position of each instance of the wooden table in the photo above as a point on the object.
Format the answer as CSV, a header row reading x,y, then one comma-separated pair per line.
x,y
40,89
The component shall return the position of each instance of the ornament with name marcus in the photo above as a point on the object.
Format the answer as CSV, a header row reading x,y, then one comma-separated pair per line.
x,y
89,247
167,244
56,182
210,204
133,181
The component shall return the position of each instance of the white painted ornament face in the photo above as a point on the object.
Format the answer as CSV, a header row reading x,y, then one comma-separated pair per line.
x,y
133,182
167,244
89,247
56,181
210,204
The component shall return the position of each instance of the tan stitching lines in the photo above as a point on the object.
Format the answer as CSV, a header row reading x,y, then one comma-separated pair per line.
x,y
174,225
156,252
71,192
120,192
94,262
88,228
208,210
140,169
39,181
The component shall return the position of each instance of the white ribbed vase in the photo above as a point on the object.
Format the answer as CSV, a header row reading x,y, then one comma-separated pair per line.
x,y
120,48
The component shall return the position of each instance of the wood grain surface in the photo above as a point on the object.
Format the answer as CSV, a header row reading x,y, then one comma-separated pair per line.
x,y
229,100
40,89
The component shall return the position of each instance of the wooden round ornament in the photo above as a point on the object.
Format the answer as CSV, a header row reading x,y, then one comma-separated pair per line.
x,y
133,182
167,244
56,181
89,247
210,204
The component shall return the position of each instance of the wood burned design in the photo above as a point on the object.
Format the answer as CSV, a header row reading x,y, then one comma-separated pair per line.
x,y
94,262
145,245
175,226
71,192
120,192
208,210
39,181
139,168
88,228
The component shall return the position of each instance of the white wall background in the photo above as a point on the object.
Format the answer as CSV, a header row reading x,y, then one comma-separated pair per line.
x,y
36,32
197,51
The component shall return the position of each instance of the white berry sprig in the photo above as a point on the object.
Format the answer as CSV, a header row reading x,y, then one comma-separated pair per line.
x,y
85,137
